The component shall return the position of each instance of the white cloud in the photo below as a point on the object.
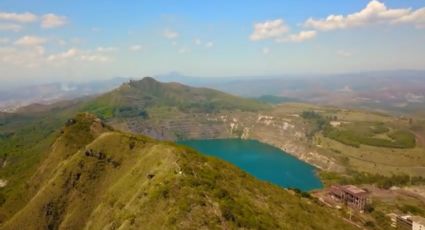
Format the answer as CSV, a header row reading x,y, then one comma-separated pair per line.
x,y
344,53
374,13
278,30
18,17
10,27
74,54
71,53
106,49
62,42
53,21
300,37
40,50
416,17
94,58
197,41
209,44
35,56
47,20
269,29
30,41
23,57
265,50
183,50
135,48
169,34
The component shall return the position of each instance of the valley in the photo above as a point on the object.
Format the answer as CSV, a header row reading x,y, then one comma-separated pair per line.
x,y
377,150
283,126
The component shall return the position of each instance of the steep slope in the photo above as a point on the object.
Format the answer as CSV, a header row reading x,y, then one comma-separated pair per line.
x,y
25,140
97,178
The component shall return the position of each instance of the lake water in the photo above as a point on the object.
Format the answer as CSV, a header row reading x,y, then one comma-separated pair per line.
x,y
262,161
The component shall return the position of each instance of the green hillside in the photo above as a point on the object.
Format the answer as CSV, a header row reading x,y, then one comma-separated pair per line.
x,y
136,98
95,177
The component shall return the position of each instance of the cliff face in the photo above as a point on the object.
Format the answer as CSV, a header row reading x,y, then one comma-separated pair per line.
x,y
97,178
284,132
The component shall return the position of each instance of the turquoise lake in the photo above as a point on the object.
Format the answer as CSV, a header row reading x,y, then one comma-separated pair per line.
x,y
263,161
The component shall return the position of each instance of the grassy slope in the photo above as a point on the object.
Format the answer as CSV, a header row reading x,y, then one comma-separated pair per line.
x,y
372,134
366,158
21,153
30,135
138,97
132,182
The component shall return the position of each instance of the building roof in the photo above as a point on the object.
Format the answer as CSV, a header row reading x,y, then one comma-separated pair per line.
x,y
353,190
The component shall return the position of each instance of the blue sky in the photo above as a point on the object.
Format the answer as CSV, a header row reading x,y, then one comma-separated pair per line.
x,y
79,40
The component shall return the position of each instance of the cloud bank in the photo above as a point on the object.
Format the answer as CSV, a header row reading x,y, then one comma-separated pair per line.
x,y
12,21
374,13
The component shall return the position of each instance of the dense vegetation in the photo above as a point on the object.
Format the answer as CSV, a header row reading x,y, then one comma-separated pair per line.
x,y
317,122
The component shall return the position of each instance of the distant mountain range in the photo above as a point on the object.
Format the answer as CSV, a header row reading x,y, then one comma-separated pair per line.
x,y
398,92
394,91
17,97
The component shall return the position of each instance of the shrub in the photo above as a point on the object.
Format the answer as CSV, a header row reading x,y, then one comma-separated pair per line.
x,y
2,199
317,122
381,181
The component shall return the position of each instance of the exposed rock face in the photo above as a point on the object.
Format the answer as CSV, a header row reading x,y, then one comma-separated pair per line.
x,y
286,133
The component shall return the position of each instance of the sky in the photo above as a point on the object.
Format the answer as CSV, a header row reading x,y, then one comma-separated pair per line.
x,y
81,40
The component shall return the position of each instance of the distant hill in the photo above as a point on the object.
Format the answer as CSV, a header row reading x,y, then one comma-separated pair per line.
x,y
95,177
135,98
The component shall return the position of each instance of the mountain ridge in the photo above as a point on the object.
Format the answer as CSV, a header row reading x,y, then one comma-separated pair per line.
x,y
111,179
